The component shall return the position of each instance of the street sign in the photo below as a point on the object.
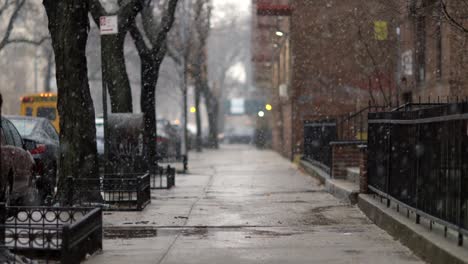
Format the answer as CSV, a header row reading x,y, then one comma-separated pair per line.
x,y
407,62
237,106
109,25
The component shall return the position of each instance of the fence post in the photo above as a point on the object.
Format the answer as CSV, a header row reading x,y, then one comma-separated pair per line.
x,y
3,217
138,193
185,161
99,233
173,177
66,252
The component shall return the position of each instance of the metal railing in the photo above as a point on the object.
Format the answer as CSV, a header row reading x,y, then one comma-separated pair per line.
x,y
353,126
176,159
418,158
164,178
317,138
127,192
50,233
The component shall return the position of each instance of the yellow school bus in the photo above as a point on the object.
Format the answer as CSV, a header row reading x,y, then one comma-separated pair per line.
x,y
41,105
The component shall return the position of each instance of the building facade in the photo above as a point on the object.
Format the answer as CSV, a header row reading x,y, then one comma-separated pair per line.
x,y
323,59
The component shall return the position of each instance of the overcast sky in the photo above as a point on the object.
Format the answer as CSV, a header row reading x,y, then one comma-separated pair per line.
x,y
224,8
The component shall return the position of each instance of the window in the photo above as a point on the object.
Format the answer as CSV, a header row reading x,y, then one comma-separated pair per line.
x,y
50,130
420,44
17,140
2,137
47,112
7,126
24,126
29,111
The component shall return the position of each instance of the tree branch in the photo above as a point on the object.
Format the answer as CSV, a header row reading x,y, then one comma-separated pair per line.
x,y
166,24
34,42
18,5
451,19
97,10
138,39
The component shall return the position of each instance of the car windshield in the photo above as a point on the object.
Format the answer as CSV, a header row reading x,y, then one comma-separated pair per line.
x,y
24,126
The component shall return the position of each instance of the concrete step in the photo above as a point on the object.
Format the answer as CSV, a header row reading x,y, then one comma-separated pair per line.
x,y
353,174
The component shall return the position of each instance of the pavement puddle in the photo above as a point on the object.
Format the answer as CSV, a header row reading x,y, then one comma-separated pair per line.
x,y
193,231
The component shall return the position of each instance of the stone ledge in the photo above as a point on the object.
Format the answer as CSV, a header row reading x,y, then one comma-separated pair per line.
x,y
431,247
348,142
315,171
341,189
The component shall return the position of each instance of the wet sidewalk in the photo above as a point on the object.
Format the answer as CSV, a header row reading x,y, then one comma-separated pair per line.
x,y
242,205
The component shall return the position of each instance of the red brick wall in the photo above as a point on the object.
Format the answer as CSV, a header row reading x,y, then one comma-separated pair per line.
x,y
328,76
344,156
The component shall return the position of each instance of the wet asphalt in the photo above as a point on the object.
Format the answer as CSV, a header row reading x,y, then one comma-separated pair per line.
x,y
243,205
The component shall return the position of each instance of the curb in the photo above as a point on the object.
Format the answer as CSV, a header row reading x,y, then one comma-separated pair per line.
x,y
429,247
338,188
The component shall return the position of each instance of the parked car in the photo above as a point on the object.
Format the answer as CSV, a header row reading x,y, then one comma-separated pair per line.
x,y
168,140
17,181
239,134
41,134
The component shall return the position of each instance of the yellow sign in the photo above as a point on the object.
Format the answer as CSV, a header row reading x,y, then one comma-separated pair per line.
x,y
380,30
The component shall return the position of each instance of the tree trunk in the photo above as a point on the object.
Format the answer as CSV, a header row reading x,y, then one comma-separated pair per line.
x,y
149,78
115,73
213,112
68,26
114,69
198,141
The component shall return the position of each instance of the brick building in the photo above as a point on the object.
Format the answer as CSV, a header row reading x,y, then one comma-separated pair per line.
x,y
433,49
324,60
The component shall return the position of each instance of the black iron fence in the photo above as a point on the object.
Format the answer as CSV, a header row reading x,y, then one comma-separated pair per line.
x,y
317,138
164,178
123,192
353,126
418,157
50,233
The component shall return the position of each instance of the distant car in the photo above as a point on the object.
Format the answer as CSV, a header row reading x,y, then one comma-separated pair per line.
x,y
46,148
168,140
17,181
242,135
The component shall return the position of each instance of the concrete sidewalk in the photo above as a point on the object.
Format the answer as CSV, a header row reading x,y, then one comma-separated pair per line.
x,y
242,205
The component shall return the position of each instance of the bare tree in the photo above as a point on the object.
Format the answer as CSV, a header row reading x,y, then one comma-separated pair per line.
x,y
151,56
226,46
199,72
14,7
178,49
456,13
68,26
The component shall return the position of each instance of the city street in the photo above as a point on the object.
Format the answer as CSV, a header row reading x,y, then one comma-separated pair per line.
x,y
243,205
